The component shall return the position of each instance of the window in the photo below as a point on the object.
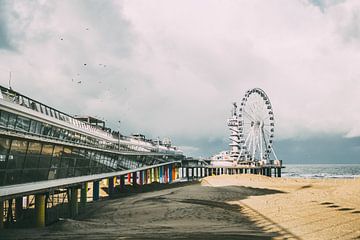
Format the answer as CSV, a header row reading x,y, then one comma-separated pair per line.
x,y
46,153
17,154
22,124
46,130
4,118
33,126
58,151
12,121
32,156
4,150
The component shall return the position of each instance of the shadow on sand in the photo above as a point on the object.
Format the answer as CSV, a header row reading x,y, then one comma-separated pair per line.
x,y
160,211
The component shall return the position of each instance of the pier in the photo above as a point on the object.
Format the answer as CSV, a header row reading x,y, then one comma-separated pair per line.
x,y
52,163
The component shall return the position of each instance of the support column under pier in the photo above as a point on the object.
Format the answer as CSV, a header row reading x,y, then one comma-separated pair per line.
x,y
1,214
96,190
122,182
83,196
170,173
160,174
40,207
151,176
134,178
141,178
18,209
73,202
279,172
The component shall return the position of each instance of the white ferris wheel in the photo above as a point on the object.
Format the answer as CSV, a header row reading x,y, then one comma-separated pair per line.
x,y
256,127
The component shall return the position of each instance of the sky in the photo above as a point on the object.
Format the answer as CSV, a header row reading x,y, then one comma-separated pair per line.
x,y
173,68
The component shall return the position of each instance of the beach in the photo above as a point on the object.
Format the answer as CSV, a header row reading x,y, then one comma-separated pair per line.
x,y
218,207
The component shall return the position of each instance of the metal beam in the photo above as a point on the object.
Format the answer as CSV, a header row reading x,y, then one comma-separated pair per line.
x,y
18,190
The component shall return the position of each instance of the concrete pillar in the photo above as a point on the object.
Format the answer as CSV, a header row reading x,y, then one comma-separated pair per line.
x,y
122,182
147,176
141,177
151,175
96,190
111,186
170,173
187,173
1,214
134,178
18,208
73,202
83,195
166,174
161,174
40,207
156,175
279,172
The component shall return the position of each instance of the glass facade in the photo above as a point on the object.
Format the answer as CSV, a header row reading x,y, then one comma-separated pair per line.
x,y
27,155
24,161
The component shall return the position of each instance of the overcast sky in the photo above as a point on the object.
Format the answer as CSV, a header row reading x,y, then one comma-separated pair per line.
x,y
173,68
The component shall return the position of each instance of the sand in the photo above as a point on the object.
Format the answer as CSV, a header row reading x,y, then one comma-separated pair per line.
x,y
305,208
220,207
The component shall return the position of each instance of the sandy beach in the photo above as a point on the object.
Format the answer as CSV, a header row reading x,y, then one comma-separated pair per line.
x,y
304,208
218,207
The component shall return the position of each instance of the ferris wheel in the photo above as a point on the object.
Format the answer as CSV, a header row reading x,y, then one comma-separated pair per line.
x,y
256,127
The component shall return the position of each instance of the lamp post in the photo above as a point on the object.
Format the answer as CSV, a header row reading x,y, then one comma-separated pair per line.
x,y
119,136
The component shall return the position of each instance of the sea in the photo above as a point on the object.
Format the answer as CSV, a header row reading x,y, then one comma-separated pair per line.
x,y
321,171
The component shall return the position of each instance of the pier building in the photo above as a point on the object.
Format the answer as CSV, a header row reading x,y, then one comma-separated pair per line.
x,y
46,154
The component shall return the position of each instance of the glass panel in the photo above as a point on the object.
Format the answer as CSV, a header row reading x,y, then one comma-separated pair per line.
x,y
15,161
44,161
18,147
17,154
4,150
13,177
12,121
62,173
32,156
56,132
52,174
47,149
46,131
2,175
34,148
32,161
64,162
43,174
30,175
22,124
4,118
33,126
38,128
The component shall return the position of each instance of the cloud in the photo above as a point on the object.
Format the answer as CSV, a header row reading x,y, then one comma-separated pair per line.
x,y
4,38
173,68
